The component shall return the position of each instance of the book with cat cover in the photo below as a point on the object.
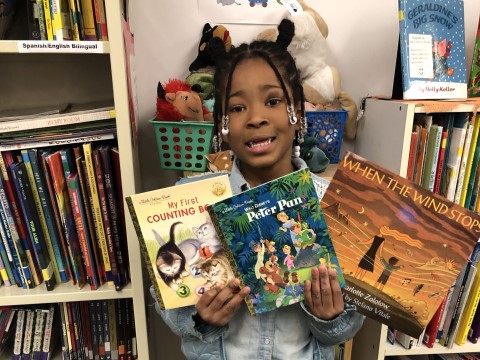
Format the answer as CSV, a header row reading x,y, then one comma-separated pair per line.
x,y
400,246
183,254
432,49
274,234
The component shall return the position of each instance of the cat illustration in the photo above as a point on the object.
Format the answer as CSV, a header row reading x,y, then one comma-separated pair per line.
x,y
207,235
171,261
188,247
216,270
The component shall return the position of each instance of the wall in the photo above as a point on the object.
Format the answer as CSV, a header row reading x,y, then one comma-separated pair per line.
x,y
362,45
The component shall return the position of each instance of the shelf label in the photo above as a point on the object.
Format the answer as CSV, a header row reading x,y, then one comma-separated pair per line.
x,y
33,46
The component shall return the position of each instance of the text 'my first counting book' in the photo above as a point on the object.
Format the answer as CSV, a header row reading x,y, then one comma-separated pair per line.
x,y
183,254
400,246
275,234
432,49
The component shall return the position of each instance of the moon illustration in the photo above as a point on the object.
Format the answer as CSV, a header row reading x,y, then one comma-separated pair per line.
x,y
362,210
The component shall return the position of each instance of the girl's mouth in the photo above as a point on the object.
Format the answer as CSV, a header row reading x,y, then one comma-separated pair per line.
x,y
259,143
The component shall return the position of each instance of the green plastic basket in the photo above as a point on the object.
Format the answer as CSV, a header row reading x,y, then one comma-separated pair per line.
x,y
327,126
183,145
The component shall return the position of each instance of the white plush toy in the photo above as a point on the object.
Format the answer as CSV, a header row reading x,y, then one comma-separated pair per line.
x,y
321,82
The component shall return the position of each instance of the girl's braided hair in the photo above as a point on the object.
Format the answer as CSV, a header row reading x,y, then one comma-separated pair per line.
x,y
274,53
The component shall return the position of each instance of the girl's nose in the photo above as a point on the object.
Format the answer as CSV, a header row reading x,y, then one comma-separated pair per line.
x,y
257,118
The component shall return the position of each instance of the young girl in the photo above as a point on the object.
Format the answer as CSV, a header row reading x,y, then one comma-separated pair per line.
x,y
259,109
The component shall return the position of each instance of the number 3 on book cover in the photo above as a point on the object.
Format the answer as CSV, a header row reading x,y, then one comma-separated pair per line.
x,y
432,49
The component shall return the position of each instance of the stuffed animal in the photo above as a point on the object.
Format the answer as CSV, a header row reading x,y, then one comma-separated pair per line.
x,y
220,161
315,158
321,82
204,59
177,100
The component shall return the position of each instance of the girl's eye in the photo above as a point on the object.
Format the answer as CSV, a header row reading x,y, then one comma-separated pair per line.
x,y
236,108
273,101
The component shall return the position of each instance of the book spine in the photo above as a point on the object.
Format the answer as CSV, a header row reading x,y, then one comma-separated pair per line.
x,y
112,323
463,164
94,329
28,333
473,172
58,120
54,162
48,19
47,333
8,254
106,330
64,338
74,20
441,163
228,253
17,346
63,30
113,212
412,154
70,332
97,211
112,252
100,333
468,314
33,224
3,273
88,20
38,334
5,166
471,153
41,19
84,237
120,329
49,185
456,154
33,20
81,168
41,214
433,326
55,248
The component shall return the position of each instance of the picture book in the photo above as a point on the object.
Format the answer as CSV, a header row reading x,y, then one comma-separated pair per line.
x,y
275,234
474,78
432,49
178,241
400,246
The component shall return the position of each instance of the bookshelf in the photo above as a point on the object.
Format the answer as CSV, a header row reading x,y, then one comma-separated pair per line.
x,y
383,136
35,79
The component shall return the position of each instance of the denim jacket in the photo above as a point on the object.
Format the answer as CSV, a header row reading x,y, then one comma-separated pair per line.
x,y
290,332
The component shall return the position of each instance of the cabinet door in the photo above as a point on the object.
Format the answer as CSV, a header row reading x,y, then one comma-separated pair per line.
x,y
383,134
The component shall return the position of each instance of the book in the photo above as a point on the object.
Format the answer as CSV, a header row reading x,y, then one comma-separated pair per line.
x,y
97,210
474,78
412,155
31,218
28,333
463,163
38,334
441,162
88,20
432,49
173,228
471,153
422,123
62,25
49,215
454,158
409,244
469,312
18,342
433,325
47,344
274,234
95,111
431,156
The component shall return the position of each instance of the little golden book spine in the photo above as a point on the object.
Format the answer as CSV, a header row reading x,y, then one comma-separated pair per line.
x,y
179,245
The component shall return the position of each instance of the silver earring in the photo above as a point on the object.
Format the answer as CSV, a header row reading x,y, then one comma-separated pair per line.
x,y
303,129
296,151
225,120
292,117
216,142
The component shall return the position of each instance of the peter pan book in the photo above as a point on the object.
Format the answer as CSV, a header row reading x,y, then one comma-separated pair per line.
x,y
182,252
400,246
274,234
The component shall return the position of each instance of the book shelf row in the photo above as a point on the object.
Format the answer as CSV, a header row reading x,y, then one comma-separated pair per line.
x,y
444,154
61,217
97,329
66,20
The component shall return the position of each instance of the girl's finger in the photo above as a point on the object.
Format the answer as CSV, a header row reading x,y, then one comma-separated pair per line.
x,y
326,290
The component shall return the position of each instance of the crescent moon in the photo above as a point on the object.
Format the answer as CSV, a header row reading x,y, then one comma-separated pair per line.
x,y
362,211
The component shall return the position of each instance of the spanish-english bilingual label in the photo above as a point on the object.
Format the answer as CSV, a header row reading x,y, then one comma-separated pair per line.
x,y
35,46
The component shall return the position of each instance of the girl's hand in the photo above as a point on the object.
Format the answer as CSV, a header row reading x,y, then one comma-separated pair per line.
x,y
217,306
323,295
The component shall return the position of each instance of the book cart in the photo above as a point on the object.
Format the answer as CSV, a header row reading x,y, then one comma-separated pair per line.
x,y
383,137
30,78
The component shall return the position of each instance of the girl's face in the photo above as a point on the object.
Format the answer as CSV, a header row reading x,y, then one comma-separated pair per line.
x,y
260,133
